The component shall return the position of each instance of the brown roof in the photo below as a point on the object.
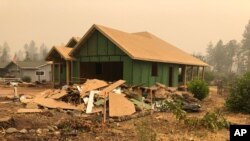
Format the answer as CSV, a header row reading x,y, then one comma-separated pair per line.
x,y
63,51
75,38
144,46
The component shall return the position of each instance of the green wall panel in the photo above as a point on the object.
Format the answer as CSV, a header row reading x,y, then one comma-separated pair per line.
x,y
94,59
75,71
104,58
127,69
102,44
92,44
114,58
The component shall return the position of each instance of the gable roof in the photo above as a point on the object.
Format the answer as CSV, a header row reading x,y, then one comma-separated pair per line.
x,y
30,64
143,46
63,51
75,38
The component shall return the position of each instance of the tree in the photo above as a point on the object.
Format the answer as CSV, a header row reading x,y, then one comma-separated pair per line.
x,y
31,51
43,52
230,53
246,45
19,55
5,56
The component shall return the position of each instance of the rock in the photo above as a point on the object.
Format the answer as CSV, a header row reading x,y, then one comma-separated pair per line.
x,y
45,130
57,133
11,130
24,131
111,120
51,128
32,131
39,131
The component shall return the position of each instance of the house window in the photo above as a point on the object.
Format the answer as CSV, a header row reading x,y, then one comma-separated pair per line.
x,y
39,72
98,67
154,69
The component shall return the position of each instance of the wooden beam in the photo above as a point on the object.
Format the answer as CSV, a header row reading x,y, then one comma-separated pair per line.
x,y
203,72
192,73
59,73
71,71
198,69
53,74
78,64
184,75
67,72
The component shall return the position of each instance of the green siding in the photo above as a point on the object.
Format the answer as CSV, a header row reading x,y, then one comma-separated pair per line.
x,y
56,74
127,69
75,72
175,73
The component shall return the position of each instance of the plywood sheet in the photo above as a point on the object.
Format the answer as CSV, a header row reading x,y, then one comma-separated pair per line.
x,y
51,103
92,84
58,95
120,105
22,110
112,87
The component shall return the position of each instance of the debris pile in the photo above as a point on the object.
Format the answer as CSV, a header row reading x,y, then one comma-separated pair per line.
x,y
112,99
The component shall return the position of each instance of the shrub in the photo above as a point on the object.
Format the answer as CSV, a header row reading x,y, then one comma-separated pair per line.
x,y
199,88
26,79
239,96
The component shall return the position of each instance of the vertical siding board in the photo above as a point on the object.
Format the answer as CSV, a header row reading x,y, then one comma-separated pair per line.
x,y
136,72
102,44
127,69
144,73
92,44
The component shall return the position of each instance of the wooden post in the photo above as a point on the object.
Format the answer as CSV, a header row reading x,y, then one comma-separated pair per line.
x,y
198,69
71,71
67,72
184,75
192,73
203,72
104,109
78,64
53,74
59,73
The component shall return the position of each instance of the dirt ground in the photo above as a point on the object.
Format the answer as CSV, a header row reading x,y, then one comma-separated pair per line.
x,y
90,127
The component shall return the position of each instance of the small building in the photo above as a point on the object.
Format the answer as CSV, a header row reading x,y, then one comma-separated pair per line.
x,y
36,70
109,54
3,69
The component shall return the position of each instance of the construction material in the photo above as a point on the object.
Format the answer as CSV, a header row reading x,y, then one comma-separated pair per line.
x,y
90,102
51,103
92,84
112,87
141,105
22,110
120,106
59,95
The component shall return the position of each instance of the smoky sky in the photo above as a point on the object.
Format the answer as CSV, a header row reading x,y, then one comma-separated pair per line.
x,y
188,24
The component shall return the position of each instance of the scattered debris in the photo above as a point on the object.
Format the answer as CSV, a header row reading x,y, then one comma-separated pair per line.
x,y
118,102
92,84
11,130
51,103
22,110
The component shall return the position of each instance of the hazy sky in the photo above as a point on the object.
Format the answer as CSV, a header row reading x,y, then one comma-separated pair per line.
x,y
188,24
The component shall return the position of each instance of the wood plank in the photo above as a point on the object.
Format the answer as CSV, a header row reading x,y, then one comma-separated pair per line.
x,y
112,87
92,84
22,110
51,103
90,102
59,95
120,105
